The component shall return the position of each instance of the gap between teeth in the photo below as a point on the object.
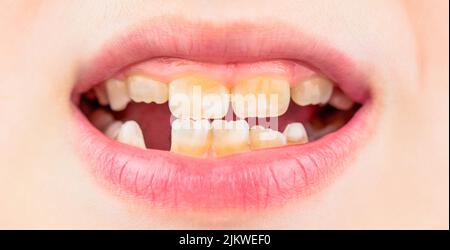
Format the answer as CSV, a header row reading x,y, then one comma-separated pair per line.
x,y
202,138
192,132
249,98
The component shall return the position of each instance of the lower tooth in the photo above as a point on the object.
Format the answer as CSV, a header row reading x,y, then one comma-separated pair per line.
x,y
130,133
101,119
230,137
312,91
113,129
190,137
340,101
261,137
117,92
296,133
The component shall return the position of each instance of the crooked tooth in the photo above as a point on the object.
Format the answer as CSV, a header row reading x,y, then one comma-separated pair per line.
x,y
230,137
261,97
312,91
113,129
198,97
261,137
190,137
101,118
144,89
340,100
295,133
117,92
130,133
100,93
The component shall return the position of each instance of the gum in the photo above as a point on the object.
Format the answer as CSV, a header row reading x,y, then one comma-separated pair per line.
x,y
168,69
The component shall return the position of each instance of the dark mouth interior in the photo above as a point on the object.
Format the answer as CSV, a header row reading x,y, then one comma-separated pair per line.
x,y
155,119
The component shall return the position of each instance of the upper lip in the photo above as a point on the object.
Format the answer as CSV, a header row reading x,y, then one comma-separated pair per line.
x,y
253,180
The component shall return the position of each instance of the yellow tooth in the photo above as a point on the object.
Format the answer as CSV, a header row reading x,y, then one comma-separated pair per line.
x,y
130,133
144,89
295,133
261,137
117,94
198,97
230,137
340,101
190,137
312,91
113,129
261,97
101,118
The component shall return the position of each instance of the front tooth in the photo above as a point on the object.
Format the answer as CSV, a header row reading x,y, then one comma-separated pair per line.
x,y
117,92
101,118
311,91
261,97
144,89
230,137
196,97
112,131
261,137
190,137
340,101
130,133
295,133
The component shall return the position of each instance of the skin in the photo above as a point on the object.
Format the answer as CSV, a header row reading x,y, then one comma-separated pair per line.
x,y
398,180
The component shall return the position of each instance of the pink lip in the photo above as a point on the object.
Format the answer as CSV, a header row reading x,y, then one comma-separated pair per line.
x,y
254,180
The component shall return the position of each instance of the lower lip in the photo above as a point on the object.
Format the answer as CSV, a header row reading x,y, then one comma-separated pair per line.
x,y
255,180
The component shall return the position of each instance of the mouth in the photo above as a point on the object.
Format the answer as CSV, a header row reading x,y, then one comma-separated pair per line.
x,y
202,116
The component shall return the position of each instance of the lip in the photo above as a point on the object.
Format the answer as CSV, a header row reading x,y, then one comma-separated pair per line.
x,y
255,180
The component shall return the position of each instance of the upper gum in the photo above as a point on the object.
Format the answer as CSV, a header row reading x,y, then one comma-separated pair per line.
x,y
228,74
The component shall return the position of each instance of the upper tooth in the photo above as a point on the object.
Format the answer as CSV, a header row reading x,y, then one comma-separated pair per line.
x,y
113,129
144,89
230,137
117,94
101,118
130,133
191,137
100,93
261,137
197,98
313,90
261,97
296,133
340,101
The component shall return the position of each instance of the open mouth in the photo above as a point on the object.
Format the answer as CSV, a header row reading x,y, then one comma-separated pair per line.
x,y
216,117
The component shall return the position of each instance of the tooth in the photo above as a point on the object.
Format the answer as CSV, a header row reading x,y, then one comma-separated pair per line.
x,y
144,89
295,133
190,137
100,93
117,94
130,133
113,129
101,118
340,101
230,137
261,97
261,137
312,91
198,98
